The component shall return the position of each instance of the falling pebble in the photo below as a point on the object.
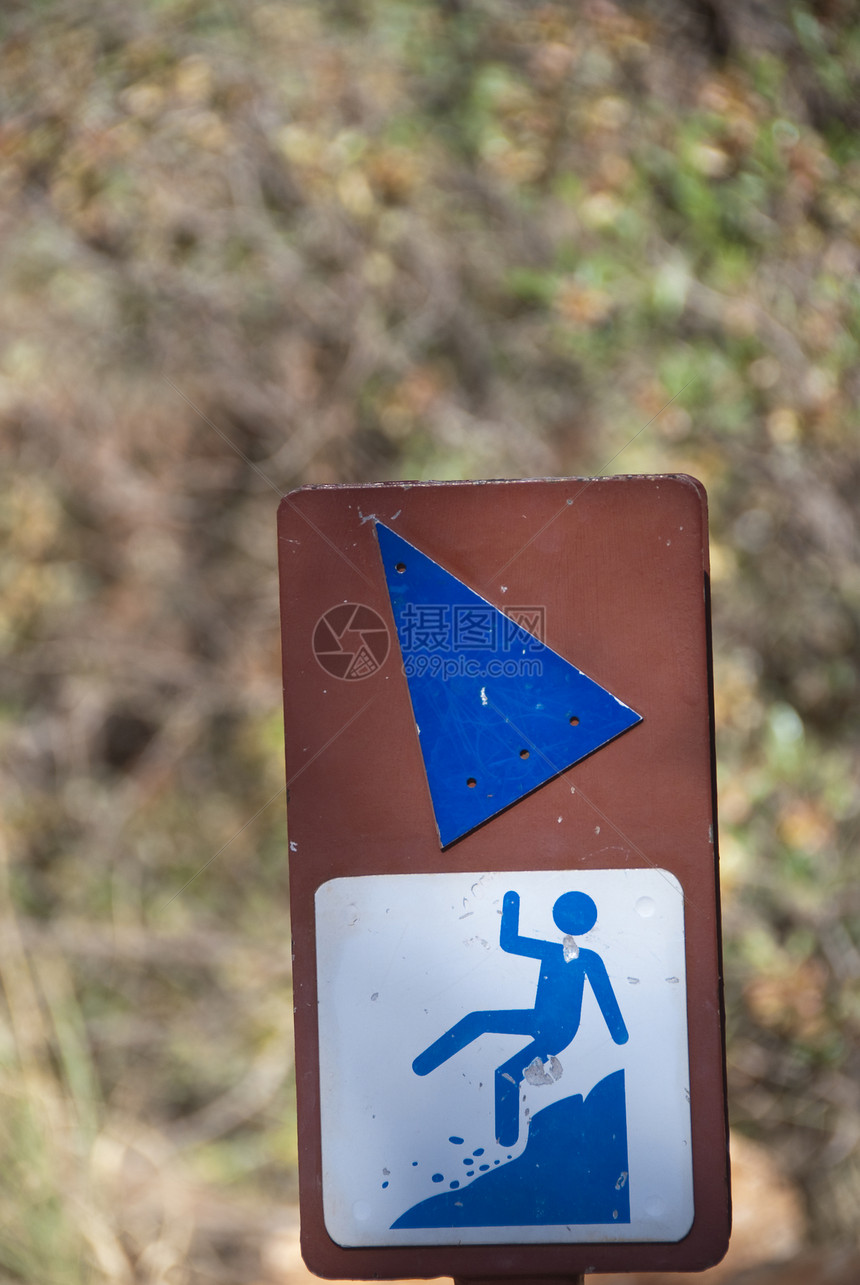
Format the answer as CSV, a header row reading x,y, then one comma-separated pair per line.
x,y
458,1142
479,1151
438,1177
469,1160
414,1164
454,1185
384,1185
470,1173
483,1167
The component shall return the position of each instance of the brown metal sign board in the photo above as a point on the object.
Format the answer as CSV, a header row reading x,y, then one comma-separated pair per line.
x,y
503,878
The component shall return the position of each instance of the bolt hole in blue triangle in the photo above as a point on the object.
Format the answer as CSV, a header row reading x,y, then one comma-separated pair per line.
x,y
498,712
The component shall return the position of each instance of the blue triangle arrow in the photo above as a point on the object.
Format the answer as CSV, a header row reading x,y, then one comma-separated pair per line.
x,y
498,712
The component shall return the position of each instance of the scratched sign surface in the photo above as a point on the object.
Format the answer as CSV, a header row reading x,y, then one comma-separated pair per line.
x,y
503,878
504,1058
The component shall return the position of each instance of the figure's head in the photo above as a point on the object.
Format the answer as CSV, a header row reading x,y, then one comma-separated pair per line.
x,y
574,913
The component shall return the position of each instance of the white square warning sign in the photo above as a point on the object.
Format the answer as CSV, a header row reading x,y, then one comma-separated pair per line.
x,y
504,1058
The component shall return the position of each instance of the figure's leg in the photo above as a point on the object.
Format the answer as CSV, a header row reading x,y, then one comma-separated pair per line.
x,y
509,1077
514,1021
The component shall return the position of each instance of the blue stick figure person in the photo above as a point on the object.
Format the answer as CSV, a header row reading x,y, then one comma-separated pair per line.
x,y
554,1020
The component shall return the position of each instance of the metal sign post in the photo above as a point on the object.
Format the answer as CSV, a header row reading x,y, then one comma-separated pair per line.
x,y
503,878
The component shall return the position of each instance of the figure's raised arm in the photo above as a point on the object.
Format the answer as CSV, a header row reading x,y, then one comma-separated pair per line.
x,y
509,934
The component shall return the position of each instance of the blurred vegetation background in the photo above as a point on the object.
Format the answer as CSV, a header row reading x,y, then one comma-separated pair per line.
x,y
245,246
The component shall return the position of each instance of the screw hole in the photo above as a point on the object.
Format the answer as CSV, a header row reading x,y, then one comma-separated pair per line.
x,y
471,782
524,754
573,720
400,566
